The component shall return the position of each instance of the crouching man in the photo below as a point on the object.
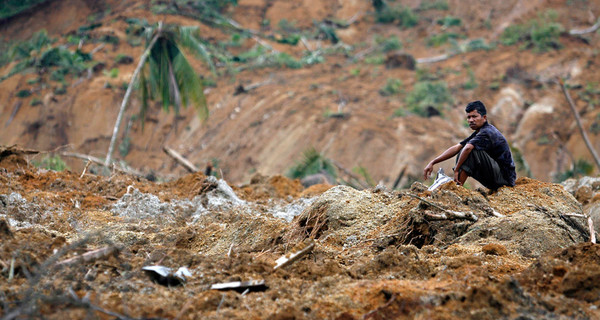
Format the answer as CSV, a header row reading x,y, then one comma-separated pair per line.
x,y
485,155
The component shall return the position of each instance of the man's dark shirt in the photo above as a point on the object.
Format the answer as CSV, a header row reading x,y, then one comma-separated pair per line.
x,y
490,140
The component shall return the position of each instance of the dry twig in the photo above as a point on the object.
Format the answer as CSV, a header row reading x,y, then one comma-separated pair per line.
x,y
91,256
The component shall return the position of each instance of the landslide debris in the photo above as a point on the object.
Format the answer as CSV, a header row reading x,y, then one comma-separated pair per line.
x,y
378,254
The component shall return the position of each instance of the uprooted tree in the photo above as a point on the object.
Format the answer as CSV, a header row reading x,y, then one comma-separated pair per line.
x,y
164,72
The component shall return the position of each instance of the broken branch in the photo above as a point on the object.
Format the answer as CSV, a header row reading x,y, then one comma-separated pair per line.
x,y
187,164
449,214
579,124
591,29
91,256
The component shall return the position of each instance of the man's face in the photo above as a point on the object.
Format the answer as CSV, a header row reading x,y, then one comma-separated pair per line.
x,y
475,120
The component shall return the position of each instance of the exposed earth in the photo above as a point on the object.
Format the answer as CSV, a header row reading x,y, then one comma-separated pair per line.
x,y
73,246
73,243
339,106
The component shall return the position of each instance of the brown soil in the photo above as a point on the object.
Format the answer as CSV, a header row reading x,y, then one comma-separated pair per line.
x,y
378,254
267,129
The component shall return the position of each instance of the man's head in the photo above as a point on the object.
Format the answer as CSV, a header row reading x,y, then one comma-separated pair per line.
x,y
476,114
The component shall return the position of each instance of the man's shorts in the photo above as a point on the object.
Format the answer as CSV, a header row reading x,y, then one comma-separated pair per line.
x,y
483,168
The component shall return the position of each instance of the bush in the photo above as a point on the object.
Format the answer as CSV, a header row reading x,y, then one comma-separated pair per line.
x,y
435,5
10,8
428,94
389,44
541,34
404,16
313,162
51,162
443,38
23,93
392,87
449,21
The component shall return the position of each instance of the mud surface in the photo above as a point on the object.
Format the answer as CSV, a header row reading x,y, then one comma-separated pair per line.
x,y
377,254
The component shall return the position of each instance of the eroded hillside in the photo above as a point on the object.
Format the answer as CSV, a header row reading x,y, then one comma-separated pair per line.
x,y
351,102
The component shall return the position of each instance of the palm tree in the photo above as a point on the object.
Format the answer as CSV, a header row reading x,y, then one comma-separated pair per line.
x,y
165,73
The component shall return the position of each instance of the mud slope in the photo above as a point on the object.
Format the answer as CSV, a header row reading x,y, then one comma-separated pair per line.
x,y
266,129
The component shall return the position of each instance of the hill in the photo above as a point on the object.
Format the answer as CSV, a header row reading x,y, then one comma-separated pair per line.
x,y
353,83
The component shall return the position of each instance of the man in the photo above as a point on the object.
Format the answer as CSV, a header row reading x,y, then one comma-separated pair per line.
x,y
485,155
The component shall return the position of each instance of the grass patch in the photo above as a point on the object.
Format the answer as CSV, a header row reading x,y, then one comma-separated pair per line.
x,y
312,162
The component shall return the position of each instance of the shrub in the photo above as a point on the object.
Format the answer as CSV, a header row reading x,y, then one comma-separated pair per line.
x,y
471,82
312,162
449,21
404,16
435,5
51,162
428,94
113,73
35,102
10,8
541,34
389,44
443,38
392,87
23,93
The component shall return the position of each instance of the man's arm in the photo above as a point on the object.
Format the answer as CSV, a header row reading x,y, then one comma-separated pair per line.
x,y
461,159
449,153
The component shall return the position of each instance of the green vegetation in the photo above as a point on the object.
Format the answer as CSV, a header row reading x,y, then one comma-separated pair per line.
x,y
449,21
23,93
392,87
388,44
434,5
428,94
35,102
443,38
113,73
362,171
51,162
403,16
541,34
521,165
312,162
471,82
590,94
10,8
579,168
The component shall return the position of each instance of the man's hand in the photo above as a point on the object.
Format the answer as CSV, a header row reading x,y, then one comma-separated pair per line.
x,y
456,175
427,171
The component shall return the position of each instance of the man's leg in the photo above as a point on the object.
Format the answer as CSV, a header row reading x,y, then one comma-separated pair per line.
x,y
462,177
481,167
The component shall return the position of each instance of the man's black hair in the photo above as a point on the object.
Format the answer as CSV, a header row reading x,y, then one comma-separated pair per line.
x,y
476,105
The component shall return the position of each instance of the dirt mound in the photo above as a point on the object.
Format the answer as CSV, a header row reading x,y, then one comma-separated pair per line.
x,y
524,219
73,246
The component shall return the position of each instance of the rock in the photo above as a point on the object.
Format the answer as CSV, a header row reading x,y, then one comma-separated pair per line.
x,y
584,194
507,110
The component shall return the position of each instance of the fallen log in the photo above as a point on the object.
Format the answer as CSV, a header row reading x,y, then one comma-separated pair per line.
x,y
187,164
91,256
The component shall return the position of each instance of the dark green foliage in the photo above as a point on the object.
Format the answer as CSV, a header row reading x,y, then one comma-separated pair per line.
x,y
541,34
312,162
10,8
23,93
449,21
428,94
328,32
167,74
580,168
403,16
478,44
590,94
35,102
34,46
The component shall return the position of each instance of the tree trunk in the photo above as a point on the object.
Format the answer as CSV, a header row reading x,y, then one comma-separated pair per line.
x,y
143,58
579,124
